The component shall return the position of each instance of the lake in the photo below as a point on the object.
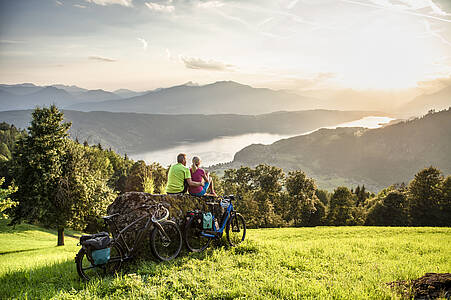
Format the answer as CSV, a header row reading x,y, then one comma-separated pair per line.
x,y
223,148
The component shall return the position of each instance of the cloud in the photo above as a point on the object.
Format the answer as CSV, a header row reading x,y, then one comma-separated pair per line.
x,y
210,4
312,82
421,4
11,42
435,33
59,3
160,7
292,4
410,8
128,3
435,84
100,58
79,6
200,64
144,43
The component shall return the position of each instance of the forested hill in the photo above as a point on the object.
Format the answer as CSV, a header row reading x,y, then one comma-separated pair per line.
x,y
134,133
376,157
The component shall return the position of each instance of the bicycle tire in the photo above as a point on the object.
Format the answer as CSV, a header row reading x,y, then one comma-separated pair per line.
x,y
87,271
236,229
194,241
163,249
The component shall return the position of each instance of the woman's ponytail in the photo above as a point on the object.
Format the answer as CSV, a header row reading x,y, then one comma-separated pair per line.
x,y
195,165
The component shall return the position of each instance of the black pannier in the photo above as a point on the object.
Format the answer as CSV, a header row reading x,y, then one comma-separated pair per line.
x,y
97,247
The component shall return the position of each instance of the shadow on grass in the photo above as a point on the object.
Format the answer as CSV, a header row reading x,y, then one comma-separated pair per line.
x,y
62,277
25,250
23,227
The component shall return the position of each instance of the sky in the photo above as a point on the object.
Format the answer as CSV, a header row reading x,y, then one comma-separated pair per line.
x,y
281,44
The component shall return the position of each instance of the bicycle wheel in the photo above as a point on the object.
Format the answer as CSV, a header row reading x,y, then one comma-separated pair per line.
x,y
166,246
87,270
236,229
195,242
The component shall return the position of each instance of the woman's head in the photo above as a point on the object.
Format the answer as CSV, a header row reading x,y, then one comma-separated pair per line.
x,y
196,163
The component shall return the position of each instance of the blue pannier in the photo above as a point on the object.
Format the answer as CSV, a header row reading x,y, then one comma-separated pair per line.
x,y
101,256
207,219
97,246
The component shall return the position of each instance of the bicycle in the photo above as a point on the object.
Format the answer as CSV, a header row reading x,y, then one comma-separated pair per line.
x,y
165,242
197,239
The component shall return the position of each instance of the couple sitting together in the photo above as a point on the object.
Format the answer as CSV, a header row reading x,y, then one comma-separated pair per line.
x,y
195,180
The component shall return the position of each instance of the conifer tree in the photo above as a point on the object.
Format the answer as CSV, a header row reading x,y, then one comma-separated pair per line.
x,y
37,169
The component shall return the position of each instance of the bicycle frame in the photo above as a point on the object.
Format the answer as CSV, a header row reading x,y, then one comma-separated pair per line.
x,y
223,225
140,232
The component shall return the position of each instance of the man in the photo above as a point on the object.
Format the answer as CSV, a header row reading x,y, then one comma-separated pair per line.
x,y
179,177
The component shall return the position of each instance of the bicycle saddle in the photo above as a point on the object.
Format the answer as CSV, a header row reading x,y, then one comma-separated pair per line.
x,y
106,218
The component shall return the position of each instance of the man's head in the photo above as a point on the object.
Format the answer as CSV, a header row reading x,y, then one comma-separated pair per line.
x,y
181,158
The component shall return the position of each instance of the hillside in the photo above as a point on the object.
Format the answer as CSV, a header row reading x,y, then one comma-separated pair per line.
x,y
316,263
421,104
225,97
374,157
135,133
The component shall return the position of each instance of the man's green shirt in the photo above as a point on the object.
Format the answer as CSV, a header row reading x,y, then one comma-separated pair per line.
x,y
177,174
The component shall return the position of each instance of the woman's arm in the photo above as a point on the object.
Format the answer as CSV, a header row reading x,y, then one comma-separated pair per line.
x,y
205,176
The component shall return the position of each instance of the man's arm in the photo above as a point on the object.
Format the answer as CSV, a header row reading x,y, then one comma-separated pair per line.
x,y
194,183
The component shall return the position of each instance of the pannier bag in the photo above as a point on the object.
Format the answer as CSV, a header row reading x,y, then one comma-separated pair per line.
x,y
101,256
97,246
207,220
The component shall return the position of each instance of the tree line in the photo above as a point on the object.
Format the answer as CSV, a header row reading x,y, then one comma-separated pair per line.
x,y
271,198
47,178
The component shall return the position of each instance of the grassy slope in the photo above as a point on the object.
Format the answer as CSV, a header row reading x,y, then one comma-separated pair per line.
x,y
322,262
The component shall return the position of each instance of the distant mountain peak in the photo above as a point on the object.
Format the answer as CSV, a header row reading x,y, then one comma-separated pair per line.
x,y
190,83
228,83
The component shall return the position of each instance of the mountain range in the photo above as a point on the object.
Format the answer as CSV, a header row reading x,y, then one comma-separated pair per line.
x,y
438,101
225,97
219,97
351,156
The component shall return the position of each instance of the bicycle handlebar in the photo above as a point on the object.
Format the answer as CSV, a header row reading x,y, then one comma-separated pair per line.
x,y
165,217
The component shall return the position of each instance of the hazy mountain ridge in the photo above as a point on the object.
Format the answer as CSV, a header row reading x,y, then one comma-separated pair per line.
x,y
27,96
421,104
219,97
136,133
374,157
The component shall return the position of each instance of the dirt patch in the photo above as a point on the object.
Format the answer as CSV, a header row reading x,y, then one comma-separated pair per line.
x,y
430,286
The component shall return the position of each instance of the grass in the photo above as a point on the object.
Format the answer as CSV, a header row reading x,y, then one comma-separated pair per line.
x,y
291,263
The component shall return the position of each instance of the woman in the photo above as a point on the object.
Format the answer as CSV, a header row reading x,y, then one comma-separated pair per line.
x,y
199,175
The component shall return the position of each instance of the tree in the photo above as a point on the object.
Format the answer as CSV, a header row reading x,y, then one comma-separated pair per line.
x,y
139,178
259,190
425,193
5,202
268,181
83,192
445,203
303,204
341,207
38,166
390,210
323,196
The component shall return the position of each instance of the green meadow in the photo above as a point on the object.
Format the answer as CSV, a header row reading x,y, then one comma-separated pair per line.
x,y
285,263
